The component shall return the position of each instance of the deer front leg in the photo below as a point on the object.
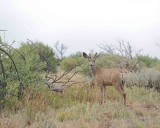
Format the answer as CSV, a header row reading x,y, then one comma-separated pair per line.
x,y
103,91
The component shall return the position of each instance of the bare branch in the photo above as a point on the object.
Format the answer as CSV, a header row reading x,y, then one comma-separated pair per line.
x,y
57,80
60,50
123,54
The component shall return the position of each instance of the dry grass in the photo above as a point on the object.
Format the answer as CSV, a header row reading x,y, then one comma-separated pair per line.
x,y
79,107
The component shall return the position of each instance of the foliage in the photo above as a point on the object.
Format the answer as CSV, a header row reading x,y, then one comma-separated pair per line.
x,y
38,58
68,63
149,62
106,60
25,64
148,78
5,55
76,59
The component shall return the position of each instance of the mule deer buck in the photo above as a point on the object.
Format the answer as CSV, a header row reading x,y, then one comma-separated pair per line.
x,y
106,77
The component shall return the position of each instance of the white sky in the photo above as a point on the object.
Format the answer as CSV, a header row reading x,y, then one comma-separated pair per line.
x,y
83,24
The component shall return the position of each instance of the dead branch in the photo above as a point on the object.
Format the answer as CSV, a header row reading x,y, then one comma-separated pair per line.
x,y
123,54
60,50
57,80
55,83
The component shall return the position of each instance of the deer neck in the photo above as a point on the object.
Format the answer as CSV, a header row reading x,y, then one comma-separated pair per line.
x,y
94,69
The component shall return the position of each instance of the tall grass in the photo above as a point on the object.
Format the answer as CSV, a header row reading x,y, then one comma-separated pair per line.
x,y
80,107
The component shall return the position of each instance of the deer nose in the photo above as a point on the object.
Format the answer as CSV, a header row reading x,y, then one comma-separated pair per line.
x,y
91,64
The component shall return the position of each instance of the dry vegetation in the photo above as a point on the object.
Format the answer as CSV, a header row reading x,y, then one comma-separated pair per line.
x,y
79,107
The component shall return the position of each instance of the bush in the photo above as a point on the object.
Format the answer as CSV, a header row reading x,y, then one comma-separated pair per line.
x,y
76,59
105,60
38,58
31,61
148,61
148,78
68,63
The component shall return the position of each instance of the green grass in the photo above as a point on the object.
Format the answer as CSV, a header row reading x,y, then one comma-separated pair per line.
x,y
79,107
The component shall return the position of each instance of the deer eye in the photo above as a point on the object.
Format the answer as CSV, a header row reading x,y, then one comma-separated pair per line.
x,y
89,59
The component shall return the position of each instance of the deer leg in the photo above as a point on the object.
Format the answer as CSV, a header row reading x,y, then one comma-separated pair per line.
x,y
101,94
104,93
103,90
120,89
124,94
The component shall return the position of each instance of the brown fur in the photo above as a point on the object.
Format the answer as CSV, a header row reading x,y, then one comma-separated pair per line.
x,y
107,77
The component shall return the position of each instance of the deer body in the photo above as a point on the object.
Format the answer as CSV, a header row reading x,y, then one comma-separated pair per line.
x,y
106,77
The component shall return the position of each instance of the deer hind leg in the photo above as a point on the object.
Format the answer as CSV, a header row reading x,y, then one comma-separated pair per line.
x,y
120,89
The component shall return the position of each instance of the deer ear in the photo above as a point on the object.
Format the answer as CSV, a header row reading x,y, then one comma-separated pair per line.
x,y
97,55
85,55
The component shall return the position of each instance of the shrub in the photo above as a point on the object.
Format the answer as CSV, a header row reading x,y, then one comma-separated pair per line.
x,y
68,63
76,59
148,61
106,60
38,58
148,78
29,61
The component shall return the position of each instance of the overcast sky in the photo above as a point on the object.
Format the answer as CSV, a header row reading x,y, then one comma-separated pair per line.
x,y
83,24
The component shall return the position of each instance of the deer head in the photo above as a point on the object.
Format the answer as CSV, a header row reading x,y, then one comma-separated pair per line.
x,y
91,58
